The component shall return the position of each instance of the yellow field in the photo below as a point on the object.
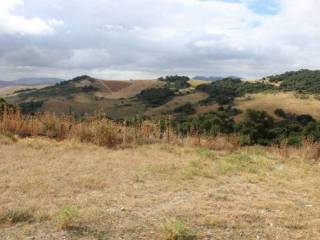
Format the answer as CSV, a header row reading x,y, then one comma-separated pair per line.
x,y
8,91
287,101
67,190
195,82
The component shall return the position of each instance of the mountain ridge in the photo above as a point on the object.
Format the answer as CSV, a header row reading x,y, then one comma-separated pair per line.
x,y
30,81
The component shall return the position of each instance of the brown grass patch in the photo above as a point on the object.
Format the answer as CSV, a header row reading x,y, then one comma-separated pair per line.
x,y
269,102
92,193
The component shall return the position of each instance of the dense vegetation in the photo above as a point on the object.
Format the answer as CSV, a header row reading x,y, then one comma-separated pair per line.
x,y
4,105
209,124
64,88
210,78
154,97
303,80
176,82
186,109
224,91
257,127
30,107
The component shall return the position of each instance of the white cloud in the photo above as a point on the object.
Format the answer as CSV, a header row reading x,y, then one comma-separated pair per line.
x,y
158,37
11,23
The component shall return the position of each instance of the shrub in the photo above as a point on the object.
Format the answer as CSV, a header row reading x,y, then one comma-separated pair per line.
x,y
304,119
177,82
280,113
68,217
177,230
155,96
30,107
224,91
16,216
256,128
187,109
100,132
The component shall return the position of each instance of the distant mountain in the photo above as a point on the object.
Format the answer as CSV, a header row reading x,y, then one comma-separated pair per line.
x,y
30,82
5,84
213,78
38,81
210,78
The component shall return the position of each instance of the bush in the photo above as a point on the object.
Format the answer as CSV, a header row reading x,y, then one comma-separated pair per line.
x,y
177,82
304,119
68,217
209,124
16,216
224,91
312,130
30,107
177,230
155,96
187,109
256,128
4,105
280,113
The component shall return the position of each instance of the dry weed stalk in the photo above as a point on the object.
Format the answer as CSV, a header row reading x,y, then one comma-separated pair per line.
x,y
97,129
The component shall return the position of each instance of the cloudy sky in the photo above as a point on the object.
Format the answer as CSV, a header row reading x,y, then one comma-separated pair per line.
x,y
122,39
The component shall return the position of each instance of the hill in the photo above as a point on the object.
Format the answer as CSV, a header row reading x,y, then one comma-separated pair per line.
x,y
205,78
261,112
212,78
303,80
289,101
121,99
86,95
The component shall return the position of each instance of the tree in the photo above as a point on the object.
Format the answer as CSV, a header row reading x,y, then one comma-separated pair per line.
x,y
256,128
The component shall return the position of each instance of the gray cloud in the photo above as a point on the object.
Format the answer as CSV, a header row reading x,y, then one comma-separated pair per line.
x,y
149,38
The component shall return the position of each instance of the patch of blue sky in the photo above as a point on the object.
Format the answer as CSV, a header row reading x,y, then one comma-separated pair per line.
x,y
262,7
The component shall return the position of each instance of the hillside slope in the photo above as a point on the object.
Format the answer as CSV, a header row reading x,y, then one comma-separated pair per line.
x,y
287,101
170,95
86,95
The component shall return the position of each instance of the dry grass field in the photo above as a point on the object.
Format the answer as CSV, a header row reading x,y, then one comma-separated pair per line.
x,y
195,82
9,91
70,190
287,101
128,89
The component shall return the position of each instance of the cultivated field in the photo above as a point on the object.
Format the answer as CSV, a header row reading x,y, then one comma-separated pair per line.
x,y
70,190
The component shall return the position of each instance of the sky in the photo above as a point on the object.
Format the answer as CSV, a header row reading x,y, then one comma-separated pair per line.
x,y
143,39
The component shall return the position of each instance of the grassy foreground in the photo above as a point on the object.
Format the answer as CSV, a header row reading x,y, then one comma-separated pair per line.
x,y
71,190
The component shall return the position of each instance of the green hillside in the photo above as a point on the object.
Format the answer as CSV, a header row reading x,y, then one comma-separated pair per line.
x,y
303,80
